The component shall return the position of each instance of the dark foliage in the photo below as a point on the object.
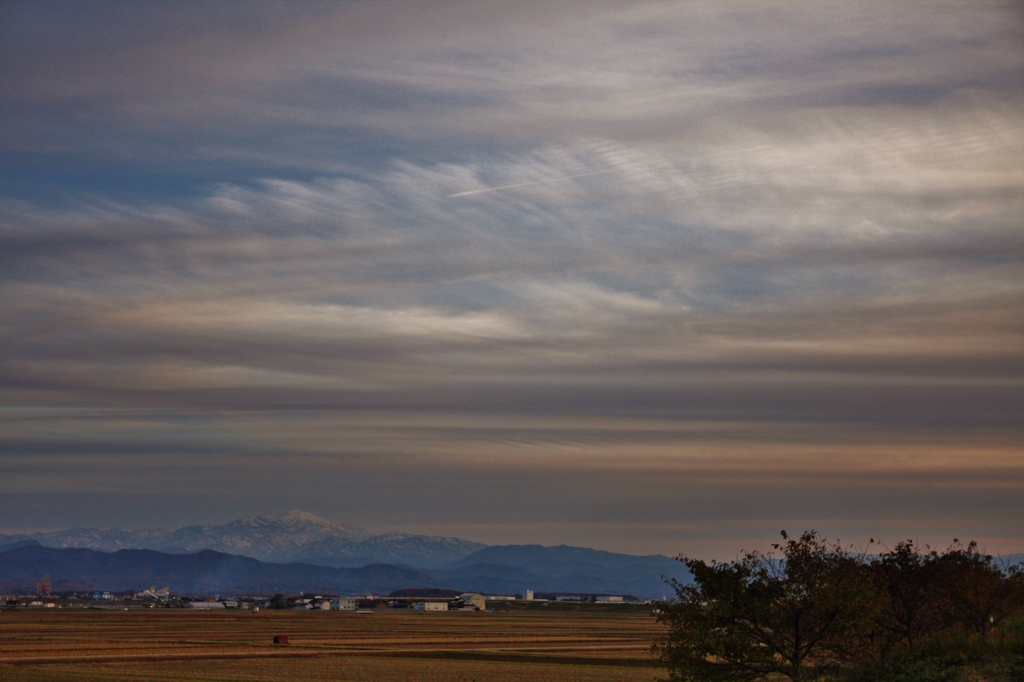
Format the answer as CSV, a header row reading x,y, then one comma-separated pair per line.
x,y
953,657
974,592
816,611
761,615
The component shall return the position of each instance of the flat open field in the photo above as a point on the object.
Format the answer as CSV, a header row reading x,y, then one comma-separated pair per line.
x,y
162,644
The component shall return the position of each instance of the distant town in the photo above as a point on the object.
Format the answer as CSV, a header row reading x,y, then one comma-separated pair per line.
x,y
429,599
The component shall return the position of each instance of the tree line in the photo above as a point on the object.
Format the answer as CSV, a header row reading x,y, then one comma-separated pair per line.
x,y
813,610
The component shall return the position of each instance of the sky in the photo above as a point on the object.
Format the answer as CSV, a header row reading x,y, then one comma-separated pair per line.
x,y
651,277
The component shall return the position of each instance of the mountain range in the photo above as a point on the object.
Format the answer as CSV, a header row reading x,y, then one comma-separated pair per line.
x,y
295,536
201,573
553,569
299,551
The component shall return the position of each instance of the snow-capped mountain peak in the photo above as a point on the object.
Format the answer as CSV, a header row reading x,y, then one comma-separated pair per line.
x,y
294,536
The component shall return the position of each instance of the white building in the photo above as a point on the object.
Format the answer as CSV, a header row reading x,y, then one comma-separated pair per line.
x,y
529,595
204,605
474,600
431,606
345,604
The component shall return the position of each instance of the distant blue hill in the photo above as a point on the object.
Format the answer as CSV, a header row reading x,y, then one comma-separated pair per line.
x,y
515,568
7,544
563,556
311,553
205,572
502,569
1007,560
543,569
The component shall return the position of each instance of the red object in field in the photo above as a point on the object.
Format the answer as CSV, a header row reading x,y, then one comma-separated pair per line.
x,y
280,639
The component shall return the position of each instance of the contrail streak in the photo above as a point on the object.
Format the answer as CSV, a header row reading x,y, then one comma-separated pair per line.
x,y
526,184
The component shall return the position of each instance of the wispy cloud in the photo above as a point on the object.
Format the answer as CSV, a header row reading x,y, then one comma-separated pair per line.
x,y
675,251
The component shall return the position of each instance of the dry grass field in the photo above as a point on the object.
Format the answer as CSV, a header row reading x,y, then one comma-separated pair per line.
x,y
161,644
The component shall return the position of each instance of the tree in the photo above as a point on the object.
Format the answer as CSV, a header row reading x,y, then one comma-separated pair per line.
x,y
975,593
800,615
908,600
816,608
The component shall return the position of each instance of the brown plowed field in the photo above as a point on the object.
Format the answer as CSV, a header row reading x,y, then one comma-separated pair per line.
x,y
161,644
